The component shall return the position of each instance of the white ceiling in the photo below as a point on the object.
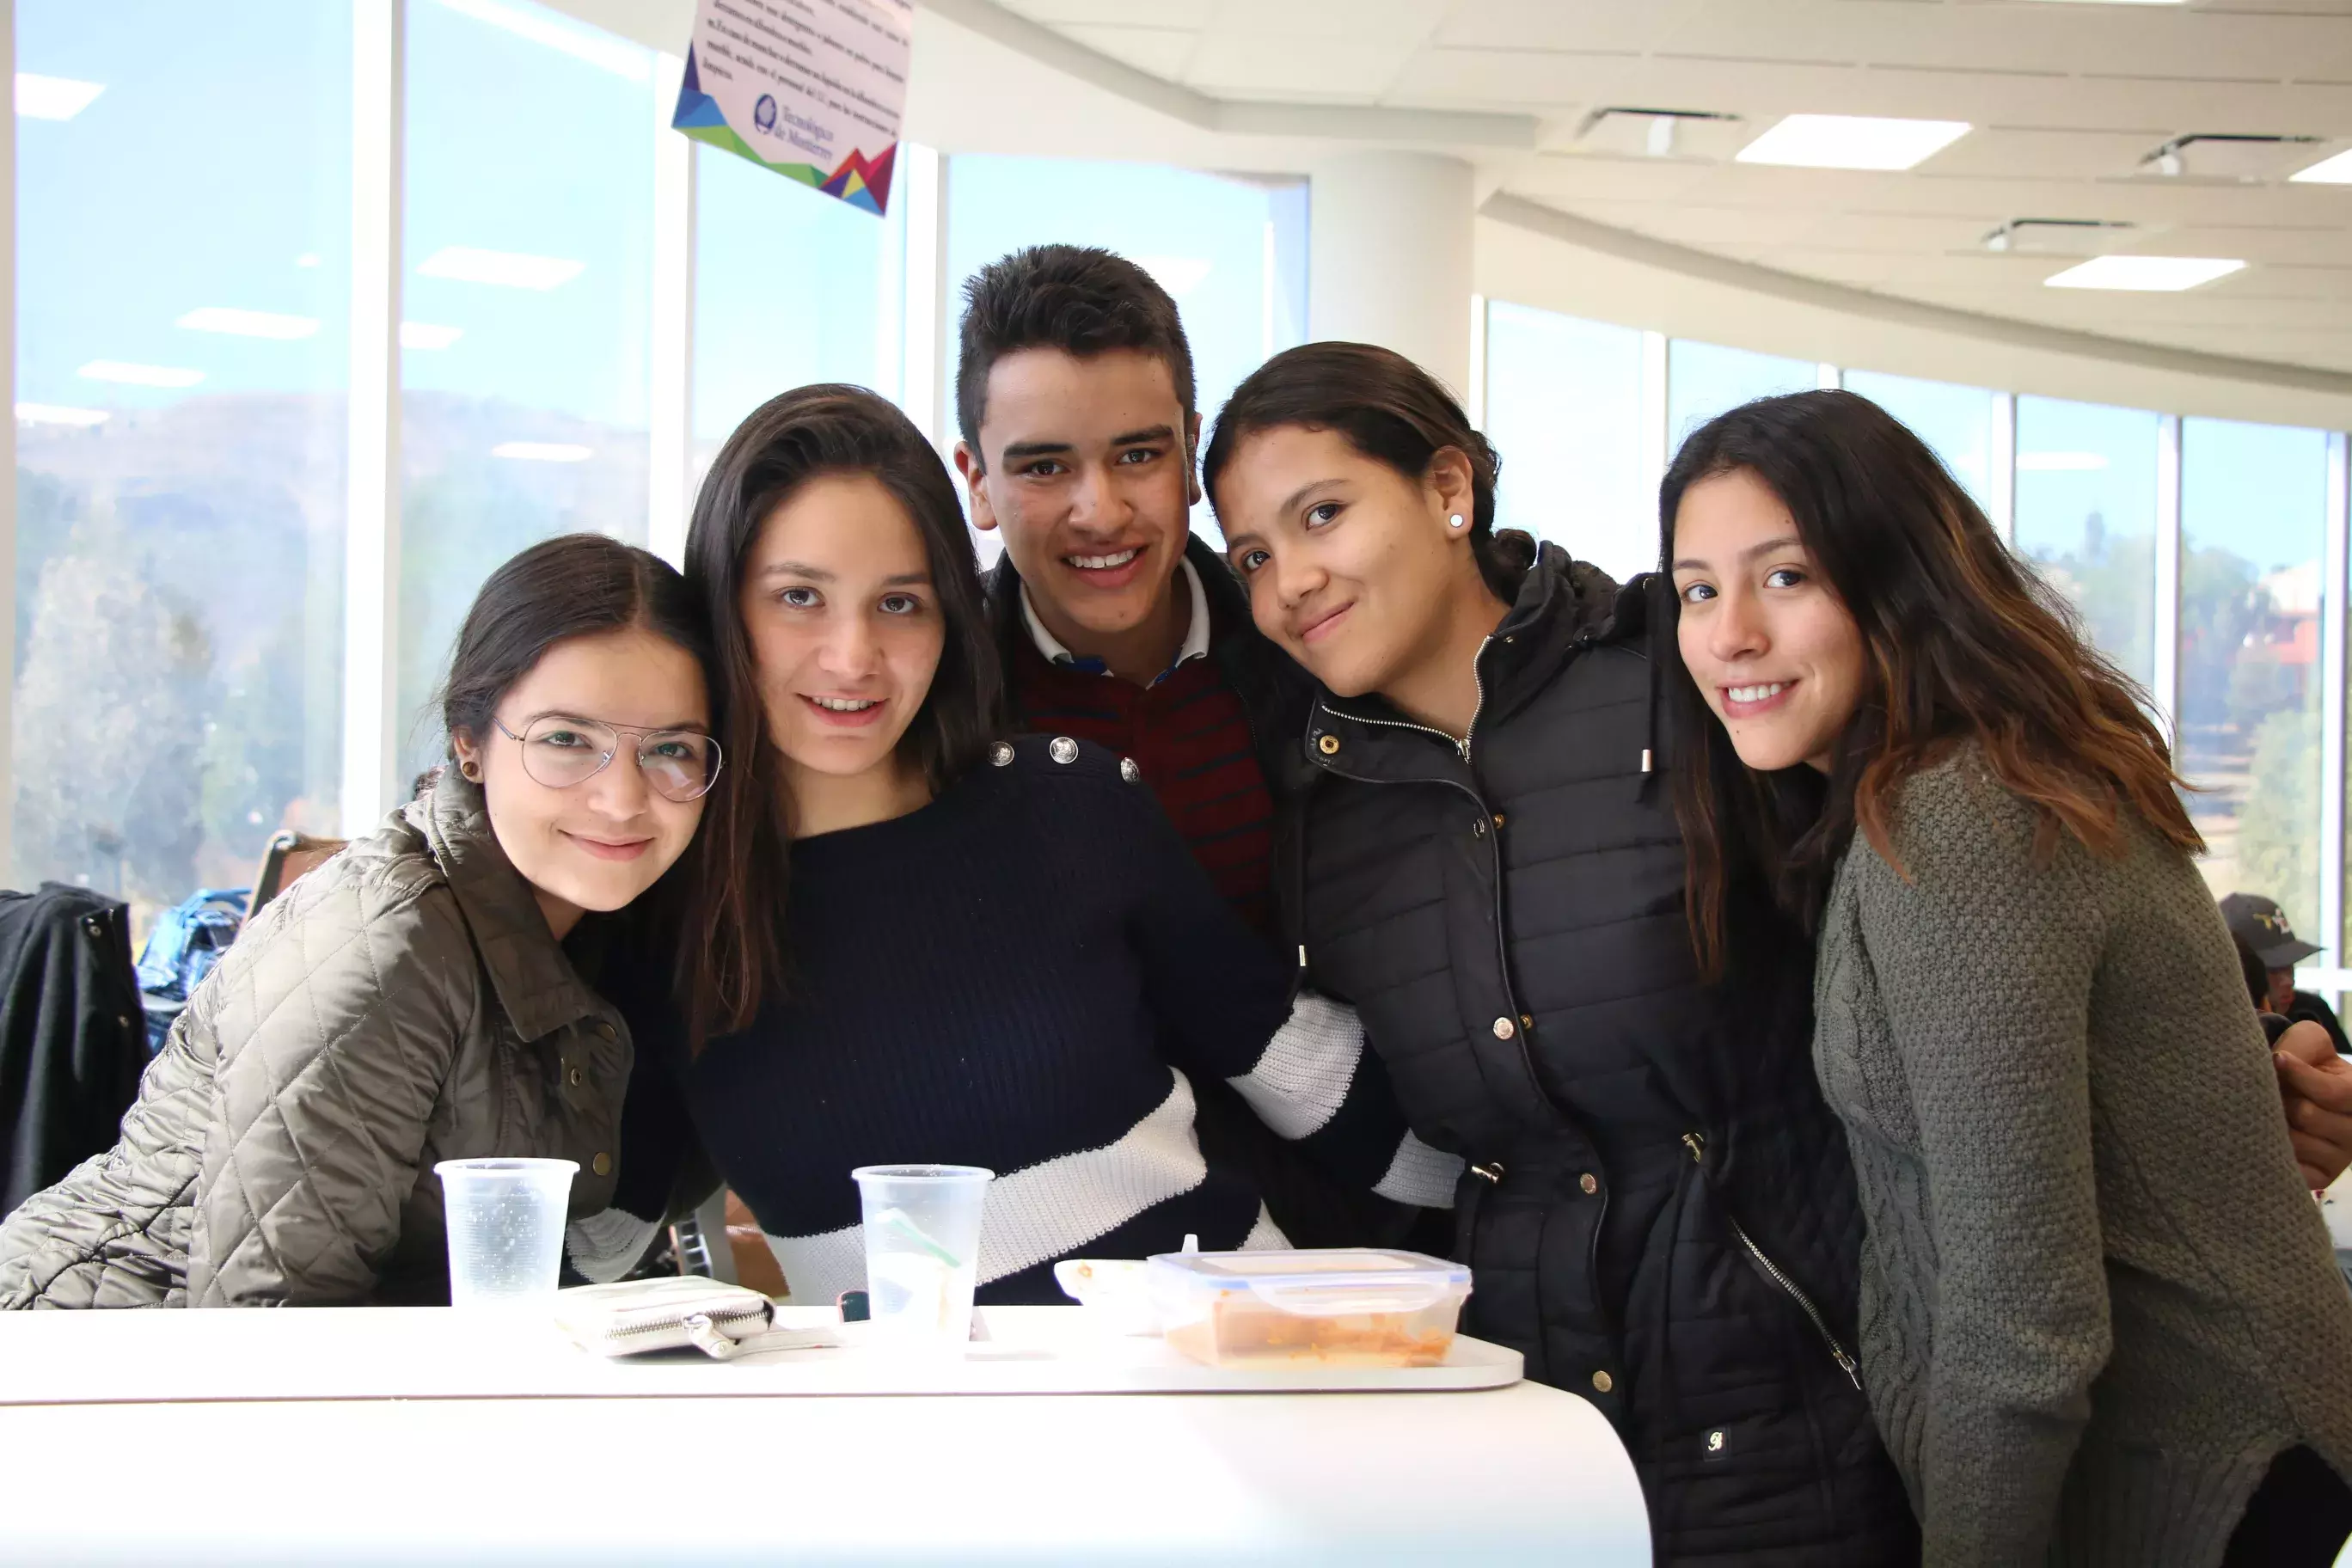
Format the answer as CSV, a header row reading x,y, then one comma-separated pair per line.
x,y
2066,99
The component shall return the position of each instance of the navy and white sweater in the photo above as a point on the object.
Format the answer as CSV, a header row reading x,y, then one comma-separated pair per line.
x,y
1027,974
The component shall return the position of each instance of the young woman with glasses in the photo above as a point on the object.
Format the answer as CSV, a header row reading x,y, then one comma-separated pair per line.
x,y
918,940
412,1000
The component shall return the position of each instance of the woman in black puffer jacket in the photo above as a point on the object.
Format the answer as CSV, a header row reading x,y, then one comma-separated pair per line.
x,y
1485,861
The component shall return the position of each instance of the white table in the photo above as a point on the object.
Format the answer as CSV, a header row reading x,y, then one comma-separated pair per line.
x,y
285,1438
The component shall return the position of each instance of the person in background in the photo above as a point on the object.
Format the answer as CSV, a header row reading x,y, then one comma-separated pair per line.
x,y
2101,1321
2262,926
412,1000
917,941
1114,624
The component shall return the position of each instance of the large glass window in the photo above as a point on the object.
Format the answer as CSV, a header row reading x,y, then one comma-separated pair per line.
x,y
1956,422
1705,379
1231,251
1564,410
2087,518
790,287
183,210
527,335
2253,519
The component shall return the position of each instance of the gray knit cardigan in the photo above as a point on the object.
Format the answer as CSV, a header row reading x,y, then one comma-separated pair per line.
x,y
2096,1299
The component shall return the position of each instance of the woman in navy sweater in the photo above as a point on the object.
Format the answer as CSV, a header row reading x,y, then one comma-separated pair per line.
x,y
992,951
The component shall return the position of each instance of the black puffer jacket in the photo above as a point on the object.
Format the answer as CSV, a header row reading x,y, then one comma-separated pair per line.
x,y
1508,919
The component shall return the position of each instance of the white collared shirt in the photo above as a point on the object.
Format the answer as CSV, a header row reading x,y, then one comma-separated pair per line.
x,y
1196,640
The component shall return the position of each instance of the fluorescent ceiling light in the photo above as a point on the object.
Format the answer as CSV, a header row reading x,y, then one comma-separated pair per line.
x,y
542,452
2336,171
505,269
53,97
2116,1
1851,142
623,59
425,335
58,414
139,374
2144,273
2060,462
308,258
248,323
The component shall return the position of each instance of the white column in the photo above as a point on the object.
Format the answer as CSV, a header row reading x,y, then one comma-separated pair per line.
x,y
1657,439
2332,589
923,394
1475,391
372,503
1388,253
8,451
2000,467
1827,377
2165,685
672,468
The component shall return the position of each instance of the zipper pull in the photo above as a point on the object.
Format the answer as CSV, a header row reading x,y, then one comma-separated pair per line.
x,y
1696,1143
1845,1365
1463,747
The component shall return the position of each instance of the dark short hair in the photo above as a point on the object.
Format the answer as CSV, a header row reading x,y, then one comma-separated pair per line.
x,y
734,952
577,584
1389,410
1078,299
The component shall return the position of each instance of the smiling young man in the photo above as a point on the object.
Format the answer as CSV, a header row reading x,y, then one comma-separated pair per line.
x,y
1076,399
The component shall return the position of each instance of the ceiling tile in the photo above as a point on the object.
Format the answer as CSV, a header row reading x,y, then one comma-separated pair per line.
x,y
1360,67
1162,51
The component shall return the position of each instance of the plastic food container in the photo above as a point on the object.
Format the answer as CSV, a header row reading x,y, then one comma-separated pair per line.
x,y
1339,1307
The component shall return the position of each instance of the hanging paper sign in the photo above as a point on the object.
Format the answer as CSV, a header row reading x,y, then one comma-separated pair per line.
x,y
812,89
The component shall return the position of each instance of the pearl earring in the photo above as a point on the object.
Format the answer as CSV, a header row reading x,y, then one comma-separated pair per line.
x,y
1453,521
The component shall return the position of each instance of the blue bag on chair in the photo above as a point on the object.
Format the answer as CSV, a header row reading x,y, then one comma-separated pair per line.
x,y
186,941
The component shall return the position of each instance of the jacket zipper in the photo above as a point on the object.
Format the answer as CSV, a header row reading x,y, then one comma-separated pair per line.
x,y
1462,746
1696,1143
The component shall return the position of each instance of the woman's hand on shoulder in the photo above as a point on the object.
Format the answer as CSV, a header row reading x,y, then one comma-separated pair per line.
x,y
2317,1086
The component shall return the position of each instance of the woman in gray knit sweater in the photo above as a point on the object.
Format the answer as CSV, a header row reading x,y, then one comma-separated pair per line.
x,y
2100,1320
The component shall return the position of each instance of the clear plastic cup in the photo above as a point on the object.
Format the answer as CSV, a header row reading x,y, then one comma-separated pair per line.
x,y
505,1222
922,1252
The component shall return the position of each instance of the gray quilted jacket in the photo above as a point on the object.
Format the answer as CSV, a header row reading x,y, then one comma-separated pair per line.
x,y
403,1003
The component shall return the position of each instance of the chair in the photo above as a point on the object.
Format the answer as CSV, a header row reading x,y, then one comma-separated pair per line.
x,y
289,854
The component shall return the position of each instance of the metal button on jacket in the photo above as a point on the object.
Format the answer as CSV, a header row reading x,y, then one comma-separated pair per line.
x,y
1064,749
607,1030
1590,1183
1001,755
1129,771
1603,1383
1504,1028
602,1164
576,1077
1330,745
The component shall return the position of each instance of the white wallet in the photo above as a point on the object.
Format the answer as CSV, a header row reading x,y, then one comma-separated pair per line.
x,y
633,1317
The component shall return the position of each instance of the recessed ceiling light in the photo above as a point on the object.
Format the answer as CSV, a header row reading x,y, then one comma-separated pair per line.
x,y
53,97
2336,171
139,374
606,54
2060,462
248,323
56,414
2145,274
542,452
425,335
1851,142
507,268
2116,1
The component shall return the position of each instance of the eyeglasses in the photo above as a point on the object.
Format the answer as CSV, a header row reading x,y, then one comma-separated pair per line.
x,y
560,751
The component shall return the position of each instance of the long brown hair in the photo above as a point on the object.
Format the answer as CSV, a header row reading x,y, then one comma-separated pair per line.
x,y
735,952
1961,642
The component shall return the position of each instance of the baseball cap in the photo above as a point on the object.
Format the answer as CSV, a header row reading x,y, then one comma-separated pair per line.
x,y
2263,926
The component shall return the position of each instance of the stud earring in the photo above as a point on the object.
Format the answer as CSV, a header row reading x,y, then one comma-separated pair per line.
x,y
473,774
1453,521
